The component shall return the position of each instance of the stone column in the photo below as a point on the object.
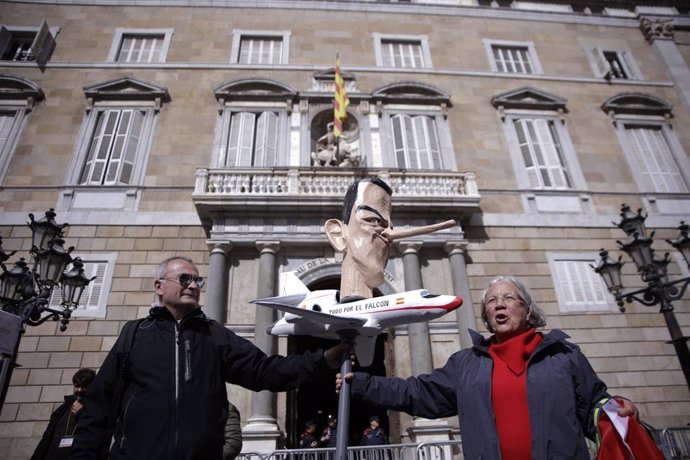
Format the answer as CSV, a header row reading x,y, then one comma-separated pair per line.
x,y
418,333
421,359
261,434
461,287
218,272
659,33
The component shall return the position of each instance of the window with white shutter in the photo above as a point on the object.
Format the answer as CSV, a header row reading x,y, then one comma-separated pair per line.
x,y
614,64
541,152
403,51
578,287
260,47
94,298
253,139
415,141
261,50
253,129
27,44
140,46
414,131
113,149
654,156
19,97
512,56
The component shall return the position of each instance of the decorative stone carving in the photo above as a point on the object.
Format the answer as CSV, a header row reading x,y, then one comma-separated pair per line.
x,y
330,151
657,29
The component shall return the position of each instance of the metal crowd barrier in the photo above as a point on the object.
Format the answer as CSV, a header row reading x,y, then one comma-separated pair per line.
x,y
675,442
383,452
439,450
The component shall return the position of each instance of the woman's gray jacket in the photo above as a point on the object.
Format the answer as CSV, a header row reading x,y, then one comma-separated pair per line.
x,y
562,390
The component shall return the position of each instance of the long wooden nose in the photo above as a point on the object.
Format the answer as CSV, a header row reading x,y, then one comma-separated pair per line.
x,y
396,235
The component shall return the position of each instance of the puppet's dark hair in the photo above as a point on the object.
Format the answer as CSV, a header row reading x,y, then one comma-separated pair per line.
x,y
351,195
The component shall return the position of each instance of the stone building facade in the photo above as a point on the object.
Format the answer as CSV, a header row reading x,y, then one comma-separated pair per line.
x,y
156,128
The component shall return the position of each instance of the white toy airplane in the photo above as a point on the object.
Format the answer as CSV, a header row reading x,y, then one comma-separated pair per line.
x,y
320,313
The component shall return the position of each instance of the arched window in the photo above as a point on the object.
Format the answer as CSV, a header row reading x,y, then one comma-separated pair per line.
x,y
540,149
113,146
414,131
253,123
652,150
19,97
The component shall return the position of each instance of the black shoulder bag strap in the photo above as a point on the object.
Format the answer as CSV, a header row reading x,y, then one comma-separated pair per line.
x,y
127,336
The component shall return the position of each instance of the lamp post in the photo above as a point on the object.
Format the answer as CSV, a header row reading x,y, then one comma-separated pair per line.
x,y
652,269
25,291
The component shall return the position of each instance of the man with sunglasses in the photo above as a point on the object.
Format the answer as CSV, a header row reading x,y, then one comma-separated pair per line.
x,y
174,405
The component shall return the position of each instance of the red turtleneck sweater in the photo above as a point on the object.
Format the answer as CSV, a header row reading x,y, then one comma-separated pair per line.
x,y
509,394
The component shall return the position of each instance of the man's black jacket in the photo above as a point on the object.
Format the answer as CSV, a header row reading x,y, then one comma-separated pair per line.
x,y
175,404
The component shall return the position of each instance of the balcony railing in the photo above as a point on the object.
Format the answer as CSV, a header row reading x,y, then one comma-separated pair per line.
x,y
305,183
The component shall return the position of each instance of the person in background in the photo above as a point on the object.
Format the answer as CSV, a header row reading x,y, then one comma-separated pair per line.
x,y
519,394
56,442
308,438
329,435
373,435
233,433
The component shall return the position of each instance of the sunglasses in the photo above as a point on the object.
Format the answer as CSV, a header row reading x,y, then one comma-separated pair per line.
x,y
186,279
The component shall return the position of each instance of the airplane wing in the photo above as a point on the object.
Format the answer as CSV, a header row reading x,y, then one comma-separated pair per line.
x,y
281,301
278,303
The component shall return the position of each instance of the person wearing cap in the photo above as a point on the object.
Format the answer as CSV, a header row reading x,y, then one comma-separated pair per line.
x,y
374,434
308,438
329,433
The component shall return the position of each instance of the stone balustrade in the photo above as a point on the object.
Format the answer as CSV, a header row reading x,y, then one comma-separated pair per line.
x,y
219,182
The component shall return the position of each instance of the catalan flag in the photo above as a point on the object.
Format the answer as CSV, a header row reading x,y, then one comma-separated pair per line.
x,y
341,100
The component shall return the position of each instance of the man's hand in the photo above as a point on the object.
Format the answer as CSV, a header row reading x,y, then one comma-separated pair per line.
x,y
339,380
334,354
76,407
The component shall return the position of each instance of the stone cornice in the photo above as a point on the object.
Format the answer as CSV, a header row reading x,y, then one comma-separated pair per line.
x,y
503,11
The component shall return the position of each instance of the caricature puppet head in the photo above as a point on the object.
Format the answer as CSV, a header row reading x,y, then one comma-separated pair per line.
x,y
360,236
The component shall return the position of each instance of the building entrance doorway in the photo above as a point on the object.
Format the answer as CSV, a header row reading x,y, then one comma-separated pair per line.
x,y
317,400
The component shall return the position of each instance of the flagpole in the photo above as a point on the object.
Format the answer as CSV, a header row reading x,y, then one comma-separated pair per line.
x,y
343,428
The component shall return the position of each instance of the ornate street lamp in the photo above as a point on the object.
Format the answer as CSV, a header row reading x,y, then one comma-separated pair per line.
x,y
25,292
653,271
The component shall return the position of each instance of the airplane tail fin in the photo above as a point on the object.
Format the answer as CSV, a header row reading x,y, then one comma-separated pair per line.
x,y
364,349
291,284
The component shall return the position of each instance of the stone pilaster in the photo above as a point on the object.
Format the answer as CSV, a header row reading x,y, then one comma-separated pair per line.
x,y
421,359
461,287
261,434
217,291
659,34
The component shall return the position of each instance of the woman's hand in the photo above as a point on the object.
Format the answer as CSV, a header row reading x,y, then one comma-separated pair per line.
x,y
626,410
339,380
